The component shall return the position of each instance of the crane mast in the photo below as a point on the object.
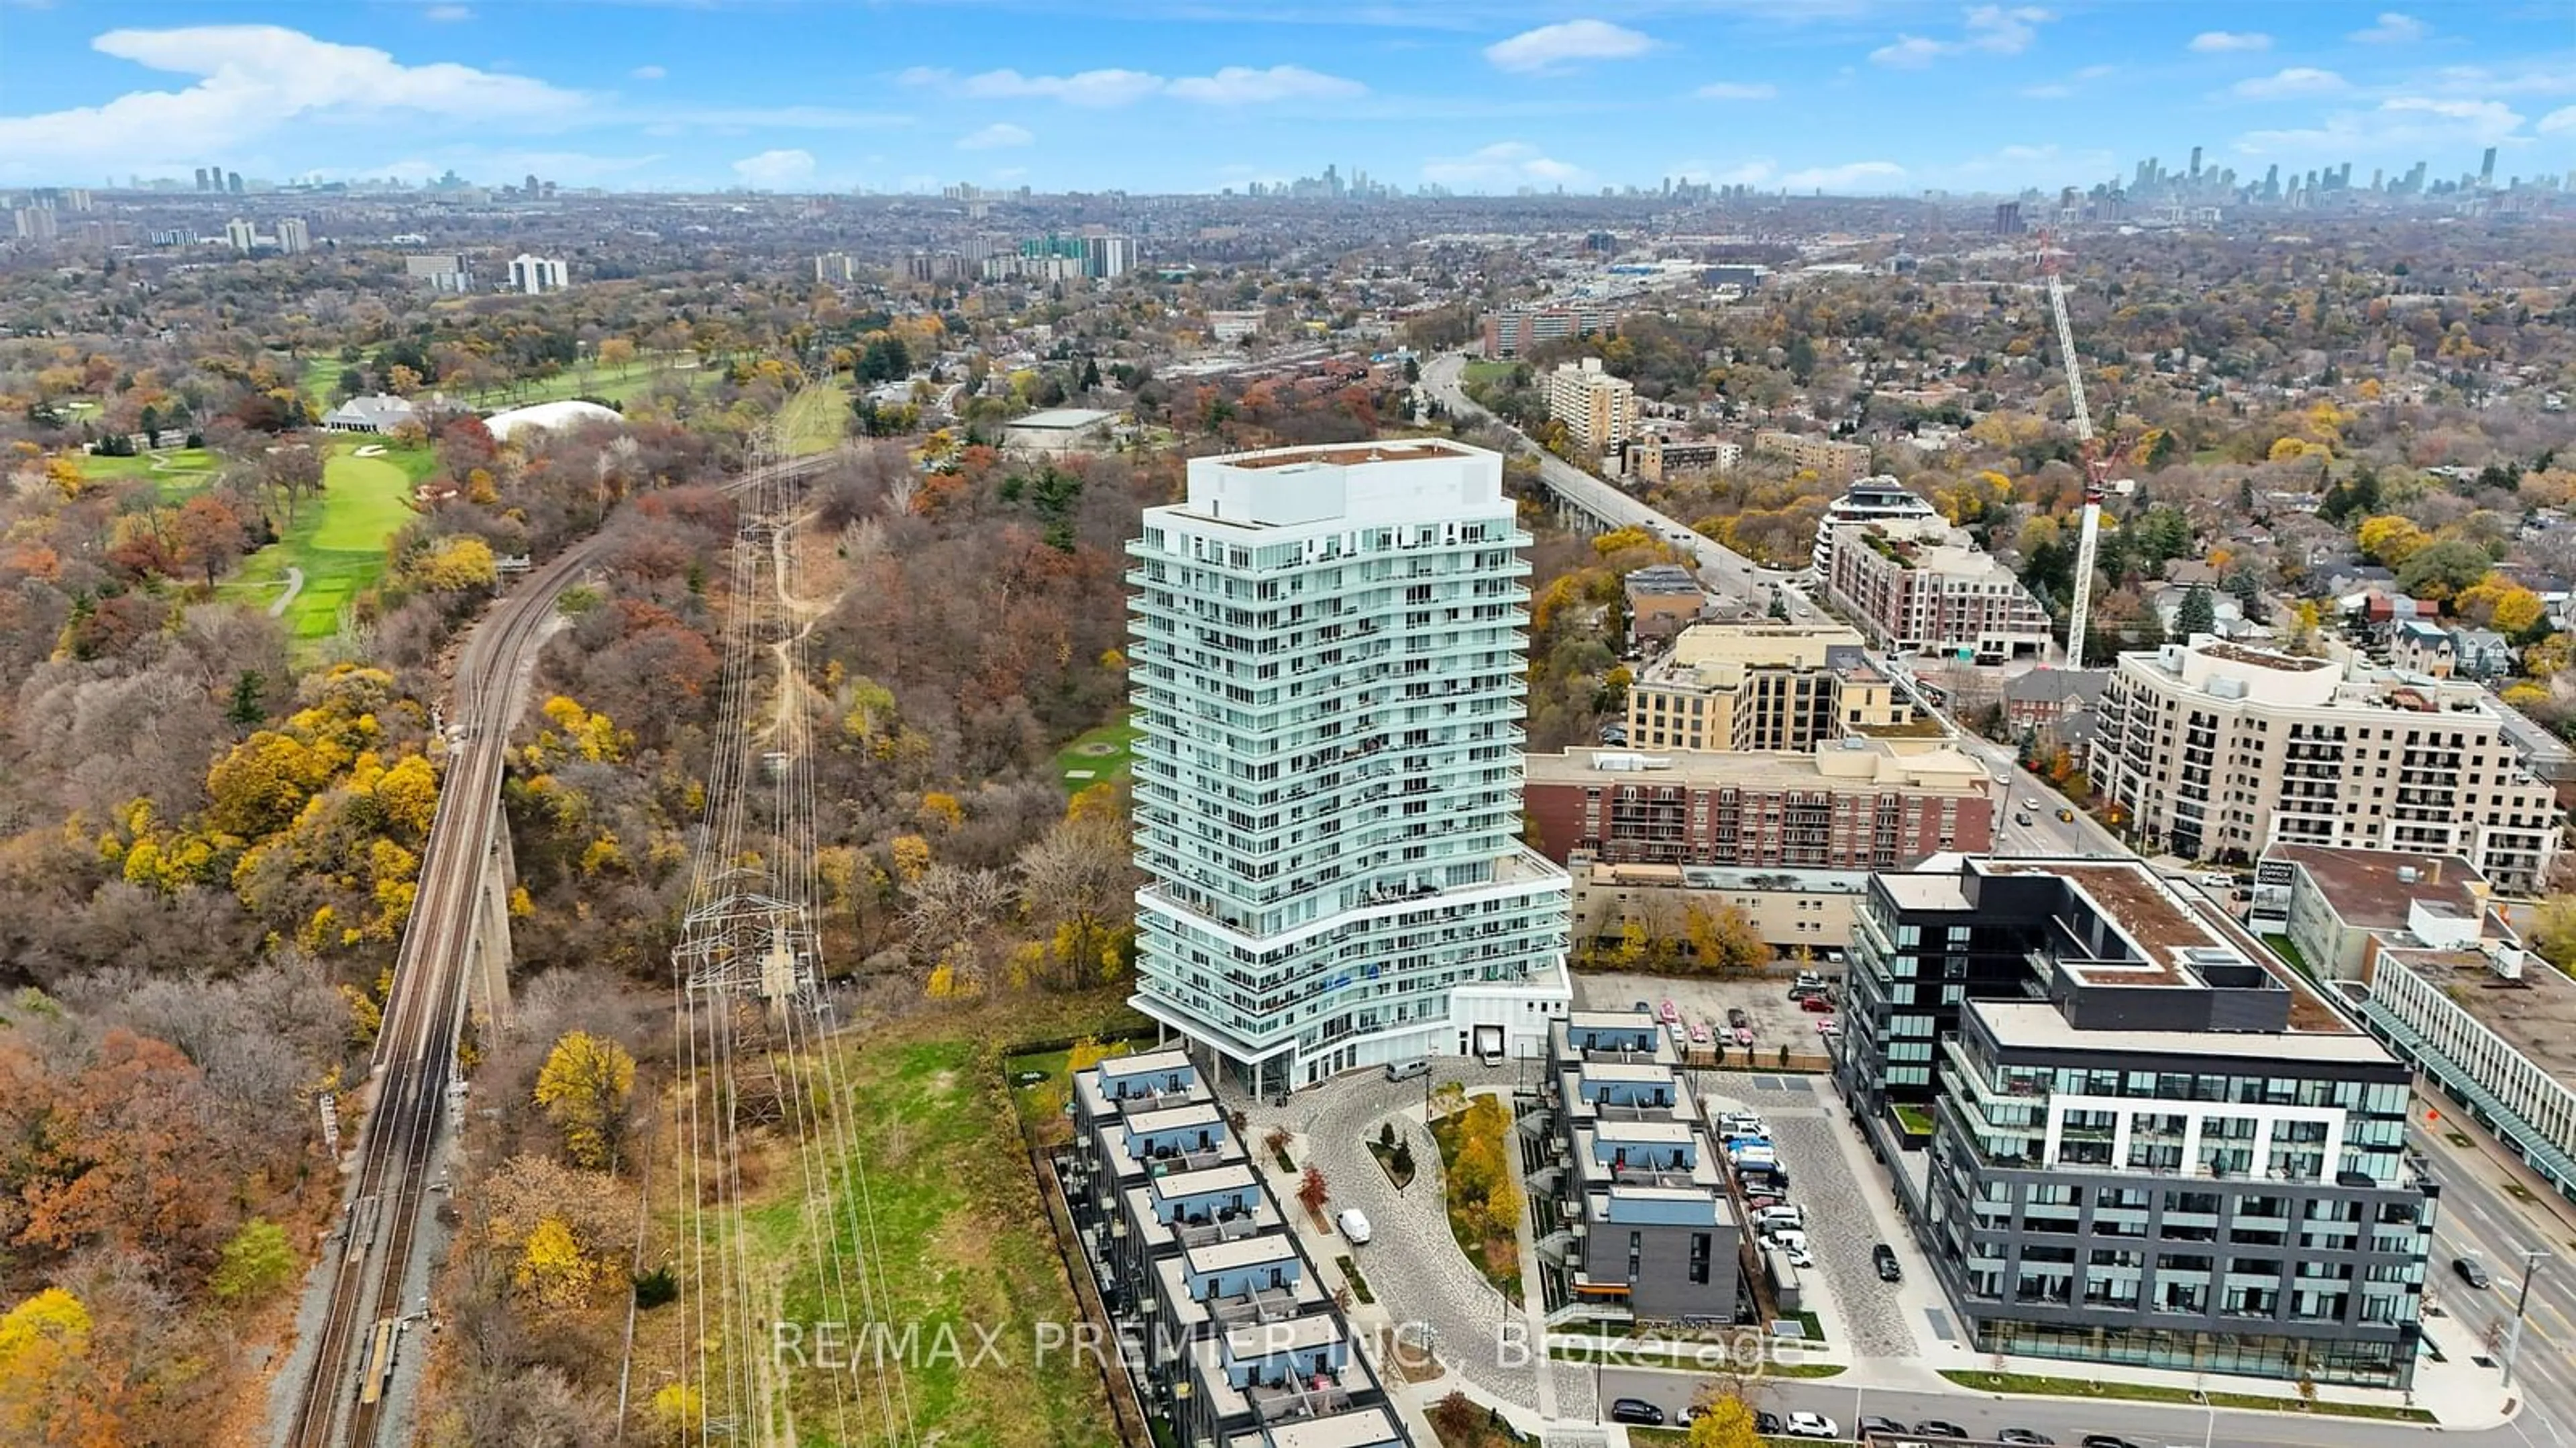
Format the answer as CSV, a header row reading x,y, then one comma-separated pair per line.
x,y
2096,469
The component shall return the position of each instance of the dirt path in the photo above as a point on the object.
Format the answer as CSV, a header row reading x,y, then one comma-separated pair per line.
x,y
294,586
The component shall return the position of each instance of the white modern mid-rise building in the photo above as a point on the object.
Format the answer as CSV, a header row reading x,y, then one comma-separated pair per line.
x,y
537,275
1328,670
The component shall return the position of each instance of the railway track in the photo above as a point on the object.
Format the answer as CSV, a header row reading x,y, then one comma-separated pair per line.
x,y
341,1400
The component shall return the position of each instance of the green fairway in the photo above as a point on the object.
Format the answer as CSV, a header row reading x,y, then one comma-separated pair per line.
x,y
337,539
178,472
1100,756
815,419
609,384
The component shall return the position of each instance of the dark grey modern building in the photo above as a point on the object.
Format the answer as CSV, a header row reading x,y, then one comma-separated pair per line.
x,y
2161,1150
1640,1217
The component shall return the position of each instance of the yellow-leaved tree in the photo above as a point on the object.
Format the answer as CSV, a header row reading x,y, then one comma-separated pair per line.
x,y
552,1267
1724,1422
584,1087
49,1391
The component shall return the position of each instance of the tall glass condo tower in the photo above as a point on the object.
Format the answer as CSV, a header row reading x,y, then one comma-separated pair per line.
x,y
1329,674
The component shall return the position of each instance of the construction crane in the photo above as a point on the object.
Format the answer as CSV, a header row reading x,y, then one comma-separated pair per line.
x,y
2097,467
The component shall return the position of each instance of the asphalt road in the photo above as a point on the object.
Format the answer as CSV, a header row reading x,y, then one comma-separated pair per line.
x,y
2477,1219
1721,569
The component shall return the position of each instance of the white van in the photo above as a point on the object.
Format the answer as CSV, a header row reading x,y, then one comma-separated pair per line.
x,y
1788,1216
1418,1067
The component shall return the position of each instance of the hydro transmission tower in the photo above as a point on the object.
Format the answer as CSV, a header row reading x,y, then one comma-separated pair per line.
x,y
748,932
2097,468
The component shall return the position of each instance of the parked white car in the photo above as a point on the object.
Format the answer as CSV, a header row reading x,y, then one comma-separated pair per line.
x,y
1811,1425
1355,1225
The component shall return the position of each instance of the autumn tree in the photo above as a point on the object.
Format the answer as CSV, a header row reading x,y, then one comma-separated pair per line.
x,y
1312,1192
1080,877
206,534
1725,1421
292,471
583,1087
51,1395
256,1262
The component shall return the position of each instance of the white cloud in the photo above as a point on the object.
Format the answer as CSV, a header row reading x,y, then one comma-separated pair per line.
x,y
257,79
2561,119
1233,85
1987,29
648,72
2392,29
1731,90
448,14
1553,45
772,170
2050,92
1504,164
2298,80
796,118
2227,42
2400,127
1000,135
1851,176
1242,85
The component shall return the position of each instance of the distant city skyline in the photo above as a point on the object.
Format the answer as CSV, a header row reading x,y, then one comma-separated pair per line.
x,y
1480,96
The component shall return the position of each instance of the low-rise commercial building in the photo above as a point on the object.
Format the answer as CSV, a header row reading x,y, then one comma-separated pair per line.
x,y
2153,1147
1834,462
1847,805
1059,430
1793,911
1763,686
1923,587
2216,750
1641,1223
1224,1327
1597,409
381,412
2442,980
1663,600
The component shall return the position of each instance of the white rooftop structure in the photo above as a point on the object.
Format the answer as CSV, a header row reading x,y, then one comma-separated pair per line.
x,y
548,417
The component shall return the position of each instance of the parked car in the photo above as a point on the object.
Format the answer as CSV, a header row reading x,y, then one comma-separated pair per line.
x,y
2029,1436
2108,1440
1636,1410
1939,1428
1877,1427
1768,1424
1799,1257
1744,1035
1736,1017
1829,1027
2472,1271
1355,1226
1804,1424
1699,1033
1668,1013
1644,1008
1805,992
1883,1257
1816,1004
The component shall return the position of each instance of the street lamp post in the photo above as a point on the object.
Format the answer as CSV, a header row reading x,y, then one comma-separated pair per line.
x,y
2531,1259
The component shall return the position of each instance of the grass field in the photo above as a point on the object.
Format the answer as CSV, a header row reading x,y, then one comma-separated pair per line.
x,y
1479,374
613,384
338,538
815,419
179,471
959,1238
1101,756
2030,1383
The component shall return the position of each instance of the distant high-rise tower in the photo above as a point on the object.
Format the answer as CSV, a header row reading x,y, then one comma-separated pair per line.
x,y
1327,669
293,237
233,182
2195,163
201,178
2486,170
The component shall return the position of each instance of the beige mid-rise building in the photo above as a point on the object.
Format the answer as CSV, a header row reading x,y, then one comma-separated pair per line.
x,y
1835,462
1921,586
2213,749
1598,410
1762,686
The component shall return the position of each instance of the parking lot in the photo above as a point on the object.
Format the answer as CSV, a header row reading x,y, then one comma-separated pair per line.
x,y
1764,999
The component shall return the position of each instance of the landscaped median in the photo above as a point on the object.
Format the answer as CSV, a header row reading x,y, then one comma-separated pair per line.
x,y
1484,1191
2033,1385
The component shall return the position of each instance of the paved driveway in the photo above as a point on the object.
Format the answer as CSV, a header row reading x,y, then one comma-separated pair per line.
x,y
1413,1265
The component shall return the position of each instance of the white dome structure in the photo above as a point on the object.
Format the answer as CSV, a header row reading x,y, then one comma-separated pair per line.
x,y
548,417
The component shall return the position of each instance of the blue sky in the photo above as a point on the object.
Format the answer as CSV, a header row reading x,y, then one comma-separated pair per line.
x,y
1881,96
